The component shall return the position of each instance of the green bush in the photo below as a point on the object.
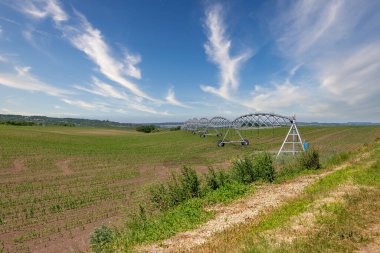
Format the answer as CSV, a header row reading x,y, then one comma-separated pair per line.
x,y
212,179
309,160
263,166
18,123
179,187
243,171
146,128
190,182
100,238
159,197
175,128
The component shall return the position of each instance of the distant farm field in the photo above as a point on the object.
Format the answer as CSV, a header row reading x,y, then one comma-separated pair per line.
x,y
58,183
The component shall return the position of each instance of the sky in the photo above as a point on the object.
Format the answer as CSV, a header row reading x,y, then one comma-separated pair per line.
x,y
161,60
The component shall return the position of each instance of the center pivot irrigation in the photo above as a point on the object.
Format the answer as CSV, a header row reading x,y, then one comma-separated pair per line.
x,y
234,131
216,127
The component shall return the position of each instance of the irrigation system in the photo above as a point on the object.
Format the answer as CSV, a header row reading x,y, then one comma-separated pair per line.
x,y
234,131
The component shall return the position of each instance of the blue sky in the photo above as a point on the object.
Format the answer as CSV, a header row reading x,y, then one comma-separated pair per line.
x,y
154,61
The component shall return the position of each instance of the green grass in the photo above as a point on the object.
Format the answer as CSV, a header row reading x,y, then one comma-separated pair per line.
x,y
227,193
181,218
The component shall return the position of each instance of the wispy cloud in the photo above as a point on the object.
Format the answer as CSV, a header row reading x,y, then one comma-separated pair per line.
x,y
218,49
279,98
171,99
23,79
90,41
3,58
130,67
103,89
80,103
339,44
355,77
41,9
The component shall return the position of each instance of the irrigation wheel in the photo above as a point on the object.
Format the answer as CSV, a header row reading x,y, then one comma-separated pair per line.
x,y
245,142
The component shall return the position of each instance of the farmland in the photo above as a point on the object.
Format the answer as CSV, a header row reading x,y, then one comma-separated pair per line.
x,y
59,183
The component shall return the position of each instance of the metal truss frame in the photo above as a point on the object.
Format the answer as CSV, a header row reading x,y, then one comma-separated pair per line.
x,y
246,122
214,125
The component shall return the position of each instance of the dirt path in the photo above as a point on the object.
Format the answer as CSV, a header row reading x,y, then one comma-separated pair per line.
x,y
265,197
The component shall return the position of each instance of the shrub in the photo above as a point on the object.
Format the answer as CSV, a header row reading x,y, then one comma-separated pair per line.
x,y
212,179
223,178
100,238
146,128
175,128
160,197
263,166
18,123
242,171
179,188
190,182
309,160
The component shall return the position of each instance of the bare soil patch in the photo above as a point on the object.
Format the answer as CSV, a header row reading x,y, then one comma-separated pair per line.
x,y
64,166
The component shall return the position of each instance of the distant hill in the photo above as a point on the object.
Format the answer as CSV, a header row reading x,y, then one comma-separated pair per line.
x,y
338,124
43,120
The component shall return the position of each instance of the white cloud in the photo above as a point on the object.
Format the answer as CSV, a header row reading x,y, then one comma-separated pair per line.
x,y
171,99
22,79
131,61
279,97
218,49
90,41
3,59
42,9
103,89
80,103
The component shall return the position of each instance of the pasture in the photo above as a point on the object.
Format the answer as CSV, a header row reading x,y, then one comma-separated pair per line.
x,y
58,183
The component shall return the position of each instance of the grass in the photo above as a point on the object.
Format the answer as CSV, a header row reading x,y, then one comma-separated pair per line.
x,y
107,169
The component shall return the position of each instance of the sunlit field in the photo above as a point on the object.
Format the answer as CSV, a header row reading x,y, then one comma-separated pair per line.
x,y
59,183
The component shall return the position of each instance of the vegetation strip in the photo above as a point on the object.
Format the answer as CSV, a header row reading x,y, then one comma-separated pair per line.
x,y
340,225
267,197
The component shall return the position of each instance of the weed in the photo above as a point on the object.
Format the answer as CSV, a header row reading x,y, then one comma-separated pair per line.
x,y
243,171
309,160
263,165
100,238
226,193
190,183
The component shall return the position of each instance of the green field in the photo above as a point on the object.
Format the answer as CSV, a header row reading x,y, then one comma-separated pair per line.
x,y
59,183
